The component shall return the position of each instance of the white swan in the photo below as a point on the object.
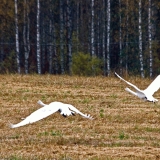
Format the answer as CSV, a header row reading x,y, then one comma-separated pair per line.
x,y
46,110
146,94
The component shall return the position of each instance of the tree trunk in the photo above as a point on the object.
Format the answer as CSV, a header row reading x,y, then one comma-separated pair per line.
x,y
61,37
17,37
127,25
120,37
92,29
26,36
103,39
43,48
38,39
77,26
69,37
50,47
108,37
55,50
140,40
150,39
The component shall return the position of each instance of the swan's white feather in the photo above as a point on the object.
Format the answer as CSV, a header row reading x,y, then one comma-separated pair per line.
x,y
144,94
154,86
47,110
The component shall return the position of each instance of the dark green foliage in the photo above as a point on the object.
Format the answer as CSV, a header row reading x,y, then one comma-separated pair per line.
x,y
86,65
8,65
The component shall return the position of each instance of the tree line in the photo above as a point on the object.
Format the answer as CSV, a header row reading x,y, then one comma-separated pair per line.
x,y
44,36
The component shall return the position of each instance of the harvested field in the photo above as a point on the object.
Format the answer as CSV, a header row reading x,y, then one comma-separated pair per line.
x,y
124,127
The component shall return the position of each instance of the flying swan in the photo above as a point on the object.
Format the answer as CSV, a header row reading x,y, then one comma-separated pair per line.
x,y
48,109
146,94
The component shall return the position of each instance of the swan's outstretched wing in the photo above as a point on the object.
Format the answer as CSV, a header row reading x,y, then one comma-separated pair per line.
x,y
130,91
78,112
135,87
154,86
37,115
138,94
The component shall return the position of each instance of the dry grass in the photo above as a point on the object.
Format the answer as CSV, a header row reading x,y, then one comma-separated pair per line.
x,y
124,127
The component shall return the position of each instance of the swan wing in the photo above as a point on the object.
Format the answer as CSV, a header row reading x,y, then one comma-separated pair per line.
x,y
37,115
135,87
154,86
138,94
78,112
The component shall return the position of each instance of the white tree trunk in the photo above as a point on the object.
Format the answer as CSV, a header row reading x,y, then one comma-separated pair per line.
x,y
108,37
26,36
38,39
69,36
55,50
127,25
103,39
77,25
61,37
120,37
140,40
92,29
98,35
150,39
17,37
43,48
50,48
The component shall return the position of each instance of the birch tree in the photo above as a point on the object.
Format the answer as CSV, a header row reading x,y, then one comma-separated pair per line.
x,y
55,50
38,39
92,29
140,40
17,37
150,39
120,36
98,38
103,38
77,24
127,25
69,36
51,39
50,47
44,39
108,37
26,33
61,37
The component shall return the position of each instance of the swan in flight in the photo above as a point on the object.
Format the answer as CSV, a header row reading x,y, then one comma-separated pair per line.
x,y
48,109
146,94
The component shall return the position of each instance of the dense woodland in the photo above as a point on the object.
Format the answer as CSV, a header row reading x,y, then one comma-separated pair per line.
x,y
38,36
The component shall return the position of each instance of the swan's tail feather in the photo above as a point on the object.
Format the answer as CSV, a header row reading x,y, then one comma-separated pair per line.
x,y
41,103
88,116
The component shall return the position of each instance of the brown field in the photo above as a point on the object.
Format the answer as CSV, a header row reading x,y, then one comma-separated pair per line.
x,y
124,127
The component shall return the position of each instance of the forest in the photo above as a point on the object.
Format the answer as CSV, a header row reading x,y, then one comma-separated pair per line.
x,y
84,37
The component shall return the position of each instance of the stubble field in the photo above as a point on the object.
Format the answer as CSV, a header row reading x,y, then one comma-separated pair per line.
x,y
124,127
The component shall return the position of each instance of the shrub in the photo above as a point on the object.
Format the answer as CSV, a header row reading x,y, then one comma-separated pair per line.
x,y
86,65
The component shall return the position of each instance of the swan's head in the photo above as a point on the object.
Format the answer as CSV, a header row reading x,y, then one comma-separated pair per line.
x,y
151,99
